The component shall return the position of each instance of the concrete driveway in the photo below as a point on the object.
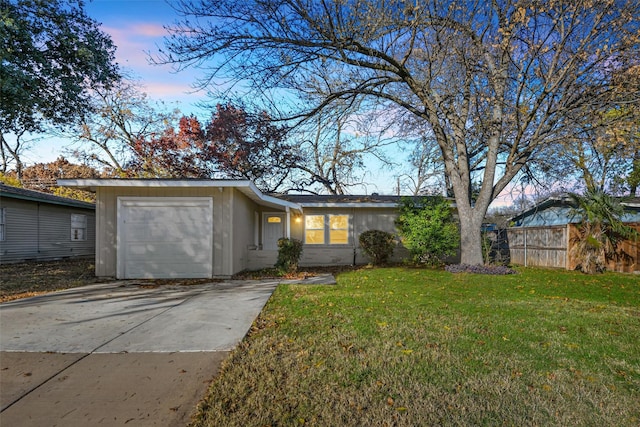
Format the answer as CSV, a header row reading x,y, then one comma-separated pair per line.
x,y
119,353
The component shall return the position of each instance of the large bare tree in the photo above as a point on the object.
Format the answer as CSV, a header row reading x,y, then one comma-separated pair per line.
x,y
334,148
121,116
493,80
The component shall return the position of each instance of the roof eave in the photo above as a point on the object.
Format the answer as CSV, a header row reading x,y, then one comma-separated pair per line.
x,y
246,186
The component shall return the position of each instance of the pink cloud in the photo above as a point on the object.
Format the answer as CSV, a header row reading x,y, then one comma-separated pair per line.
x,y
164,89
148,30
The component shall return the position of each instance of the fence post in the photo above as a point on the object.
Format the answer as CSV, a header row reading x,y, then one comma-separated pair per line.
x,y
567,236
525,247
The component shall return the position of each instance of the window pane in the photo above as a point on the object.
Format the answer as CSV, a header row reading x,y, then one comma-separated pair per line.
x,y
78,227
314,237
78,221
274,220
338,221
315,222
339,237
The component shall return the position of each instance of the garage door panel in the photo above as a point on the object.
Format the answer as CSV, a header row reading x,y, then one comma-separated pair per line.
x,y
166,270
165,237
167,251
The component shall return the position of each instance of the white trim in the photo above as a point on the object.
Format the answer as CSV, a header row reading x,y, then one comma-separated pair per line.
x,y
113,182
287,226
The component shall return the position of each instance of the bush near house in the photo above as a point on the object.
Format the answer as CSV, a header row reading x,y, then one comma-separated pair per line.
x,y
378,245
289,252
427,229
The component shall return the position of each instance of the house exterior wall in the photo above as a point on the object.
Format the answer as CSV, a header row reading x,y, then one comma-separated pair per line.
x,y
231,233
244,228
361,220
42,231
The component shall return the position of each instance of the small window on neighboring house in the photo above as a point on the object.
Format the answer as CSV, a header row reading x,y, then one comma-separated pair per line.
x,y
320,229
78,227
2,223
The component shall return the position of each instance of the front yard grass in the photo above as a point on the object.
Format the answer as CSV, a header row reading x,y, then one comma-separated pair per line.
x,y
412,347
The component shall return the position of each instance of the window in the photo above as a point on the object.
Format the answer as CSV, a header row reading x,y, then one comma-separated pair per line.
x,y
314,229
78,227
320,229
338,229
2,219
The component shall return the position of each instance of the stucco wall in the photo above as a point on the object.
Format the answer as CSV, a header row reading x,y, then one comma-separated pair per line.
x,y
244,228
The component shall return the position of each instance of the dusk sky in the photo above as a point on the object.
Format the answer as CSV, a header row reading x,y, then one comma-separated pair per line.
x,y
137,29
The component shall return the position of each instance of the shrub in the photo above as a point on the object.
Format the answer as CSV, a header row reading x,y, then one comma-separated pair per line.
x,y
378,245
427,229
289,252
600,231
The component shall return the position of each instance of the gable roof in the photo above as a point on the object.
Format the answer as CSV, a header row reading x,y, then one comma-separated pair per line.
x,y
38,196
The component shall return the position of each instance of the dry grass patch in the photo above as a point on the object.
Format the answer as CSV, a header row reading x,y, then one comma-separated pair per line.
x,y
402,347
37,277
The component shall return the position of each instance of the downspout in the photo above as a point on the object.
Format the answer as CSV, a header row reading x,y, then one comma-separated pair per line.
x,y
232,230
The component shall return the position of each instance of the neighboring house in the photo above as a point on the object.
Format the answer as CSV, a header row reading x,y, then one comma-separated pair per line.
x,y
163,228
544,235
41,226
560,211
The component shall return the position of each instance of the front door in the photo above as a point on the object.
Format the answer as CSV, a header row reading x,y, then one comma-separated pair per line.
x,y
273,230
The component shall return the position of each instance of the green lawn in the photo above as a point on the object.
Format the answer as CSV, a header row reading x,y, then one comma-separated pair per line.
x,y
412,347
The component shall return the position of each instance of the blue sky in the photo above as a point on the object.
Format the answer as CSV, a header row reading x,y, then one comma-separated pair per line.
x,y
137,28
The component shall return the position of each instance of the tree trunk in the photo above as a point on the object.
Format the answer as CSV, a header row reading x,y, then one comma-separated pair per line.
x,y
470,239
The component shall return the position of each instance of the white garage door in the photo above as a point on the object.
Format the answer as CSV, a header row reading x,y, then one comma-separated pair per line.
x,y
165,237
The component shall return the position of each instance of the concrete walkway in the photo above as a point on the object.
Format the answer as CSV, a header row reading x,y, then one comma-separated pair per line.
x,y
121,353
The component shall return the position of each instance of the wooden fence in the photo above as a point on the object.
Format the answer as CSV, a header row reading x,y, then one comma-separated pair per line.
x,y
551,247
538,246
